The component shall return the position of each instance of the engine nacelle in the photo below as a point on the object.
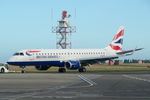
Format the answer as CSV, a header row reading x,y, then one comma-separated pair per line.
x,y
42,67
72,64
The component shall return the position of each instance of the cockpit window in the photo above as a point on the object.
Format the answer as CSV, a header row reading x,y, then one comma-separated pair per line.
x,y
16,54
19,54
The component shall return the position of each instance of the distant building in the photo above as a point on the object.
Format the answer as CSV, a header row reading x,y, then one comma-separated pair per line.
x,y
140,62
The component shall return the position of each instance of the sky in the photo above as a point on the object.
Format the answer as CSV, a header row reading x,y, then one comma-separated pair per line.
x,y
26,24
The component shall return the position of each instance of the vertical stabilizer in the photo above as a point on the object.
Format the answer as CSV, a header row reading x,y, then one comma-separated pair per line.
x,y
117,41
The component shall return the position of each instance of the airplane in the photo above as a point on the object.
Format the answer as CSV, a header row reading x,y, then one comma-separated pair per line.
x,y
72,59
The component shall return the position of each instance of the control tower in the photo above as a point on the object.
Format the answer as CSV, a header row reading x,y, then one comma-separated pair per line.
x,y
63,32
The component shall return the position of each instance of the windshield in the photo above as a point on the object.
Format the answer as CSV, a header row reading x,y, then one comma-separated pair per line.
x,y
19,54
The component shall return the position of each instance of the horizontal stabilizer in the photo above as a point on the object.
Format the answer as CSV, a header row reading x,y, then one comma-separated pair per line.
x,y
128,52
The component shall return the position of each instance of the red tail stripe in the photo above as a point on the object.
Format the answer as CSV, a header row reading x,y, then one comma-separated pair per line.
x,y
115,47
119,34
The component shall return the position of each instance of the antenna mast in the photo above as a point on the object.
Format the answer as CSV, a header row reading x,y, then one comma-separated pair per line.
x,y
63,32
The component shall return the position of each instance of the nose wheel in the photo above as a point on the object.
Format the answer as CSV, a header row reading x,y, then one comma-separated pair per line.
x,y
23,69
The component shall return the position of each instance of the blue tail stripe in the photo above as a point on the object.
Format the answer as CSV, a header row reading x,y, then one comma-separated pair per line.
x,y
120,41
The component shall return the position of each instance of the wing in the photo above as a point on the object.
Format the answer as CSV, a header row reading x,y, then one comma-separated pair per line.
x,y
86,62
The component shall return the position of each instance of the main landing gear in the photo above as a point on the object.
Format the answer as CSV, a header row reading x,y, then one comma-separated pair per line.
x,y
62,70
82,69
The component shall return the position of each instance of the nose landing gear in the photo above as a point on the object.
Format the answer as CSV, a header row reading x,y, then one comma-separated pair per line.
x,y
23,69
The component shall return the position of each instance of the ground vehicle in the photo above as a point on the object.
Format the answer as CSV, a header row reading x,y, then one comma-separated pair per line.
x,y
3,68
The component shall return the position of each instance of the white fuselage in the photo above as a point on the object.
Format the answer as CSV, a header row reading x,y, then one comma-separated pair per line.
x,y
60,54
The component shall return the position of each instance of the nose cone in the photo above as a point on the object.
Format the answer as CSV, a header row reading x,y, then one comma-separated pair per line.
x,y
11,60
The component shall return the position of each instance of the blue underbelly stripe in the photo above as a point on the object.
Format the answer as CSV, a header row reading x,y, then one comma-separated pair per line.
x,y
32,63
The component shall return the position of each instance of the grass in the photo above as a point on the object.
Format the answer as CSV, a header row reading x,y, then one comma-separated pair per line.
x,y
93,68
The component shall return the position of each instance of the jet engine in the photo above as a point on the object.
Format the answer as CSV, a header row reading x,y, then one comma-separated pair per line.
x,y
73,65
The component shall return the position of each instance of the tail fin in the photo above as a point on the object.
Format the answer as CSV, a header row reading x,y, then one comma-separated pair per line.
x,y
117,41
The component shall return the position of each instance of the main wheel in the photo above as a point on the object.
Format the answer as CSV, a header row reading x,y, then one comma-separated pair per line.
x,y
82,69
2,70
62,70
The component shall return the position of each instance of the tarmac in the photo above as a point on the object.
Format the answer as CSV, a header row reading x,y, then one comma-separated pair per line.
x,y
75,86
